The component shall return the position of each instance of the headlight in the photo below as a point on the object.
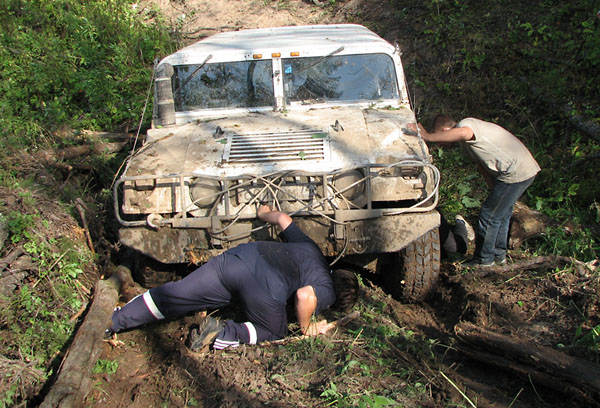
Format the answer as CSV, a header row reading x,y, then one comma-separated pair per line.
x,y
348,183
408,171
400,171
204,192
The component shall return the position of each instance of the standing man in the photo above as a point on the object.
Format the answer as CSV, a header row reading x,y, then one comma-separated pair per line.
x,y
508,168
263,275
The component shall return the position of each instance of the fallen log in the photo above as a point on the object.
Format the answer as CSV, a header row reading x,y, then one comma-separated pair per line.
x,y
55,158
526,223
99,136
585,126
538,262
531,361
74,378
524,371
11,257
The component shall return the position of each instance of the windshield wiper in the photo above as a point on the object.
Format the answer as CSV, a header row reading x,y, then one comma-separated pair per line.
x,y
318,60
193,74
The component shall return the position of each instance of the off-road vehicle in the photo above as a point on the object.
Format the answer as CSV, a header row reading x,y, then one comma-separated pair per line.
x,y
309,119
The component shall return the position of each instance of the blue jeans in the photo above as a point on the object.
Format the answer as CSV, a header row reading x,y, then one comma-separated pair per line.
x,y
494,219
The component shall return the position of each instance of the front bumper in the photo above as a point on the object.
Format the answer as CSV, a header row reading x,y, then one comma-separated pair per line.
x,y
339,236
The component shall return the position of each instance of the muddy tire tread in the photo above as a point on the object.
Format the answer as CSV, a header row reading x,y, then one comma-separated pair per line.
x,y
415,274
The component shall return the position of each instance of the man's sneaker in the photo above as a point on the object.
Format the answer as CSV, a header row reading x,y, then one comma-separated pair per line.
x,y
470,231
475,263
205,334
108,333
500,261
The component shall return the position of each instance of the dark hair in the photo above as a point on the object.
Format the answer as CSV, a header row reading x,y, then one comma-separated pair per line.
x,y
442,121
345,284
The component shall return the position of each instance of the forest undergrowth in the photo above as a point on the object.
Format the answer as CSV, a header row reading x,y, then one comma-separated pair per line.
x,y
68,67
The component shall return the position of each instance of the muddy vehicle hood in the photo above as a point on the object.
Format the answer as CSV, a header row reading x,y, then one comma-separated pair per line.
x,y
314,140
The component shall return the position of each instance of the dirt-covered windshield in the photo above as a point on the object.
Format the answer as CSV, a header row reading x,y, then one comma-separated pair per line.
x,y
249,84
370,77
240,84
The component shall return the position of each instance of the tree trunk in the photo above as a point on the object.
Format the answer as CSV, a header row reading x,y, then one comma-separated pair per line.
x,y
55,158
74,378
527,223
541,364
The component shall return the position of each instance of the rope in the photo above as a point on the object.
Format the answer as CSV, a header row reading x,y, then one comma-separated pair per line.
x,y
127,160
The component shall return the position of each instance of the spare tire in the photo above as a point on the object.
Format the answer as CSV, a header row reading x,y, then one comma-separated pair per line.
x,y
413,272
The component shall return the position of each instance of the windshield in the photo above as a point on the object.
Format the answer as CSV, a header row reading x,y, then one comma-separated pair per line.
x,y
243,84
369,77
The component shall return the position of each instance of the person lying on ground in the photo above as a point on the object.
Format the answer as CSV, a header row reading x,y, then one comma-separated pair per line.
x,y
263,276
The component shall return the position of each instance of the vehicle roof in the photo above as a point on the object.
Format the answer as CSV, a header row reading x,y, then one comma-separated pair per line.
x,y
309,40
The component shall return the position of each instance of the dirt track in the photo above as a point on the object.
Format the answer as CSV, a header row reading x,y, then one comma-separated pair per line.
x,y
155,369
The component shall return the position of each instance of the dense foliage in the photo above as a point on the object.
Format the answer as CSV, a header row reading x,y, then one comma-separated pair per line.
x,y
64,64
534,73
73,63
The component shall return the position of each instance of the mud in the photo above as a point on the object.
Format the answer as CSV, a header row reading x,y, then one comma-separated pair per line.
x,y
548,307
156,369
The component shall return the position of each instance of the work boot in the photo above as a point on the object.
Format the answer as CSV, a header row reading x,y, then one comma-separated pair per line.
x,y
204,335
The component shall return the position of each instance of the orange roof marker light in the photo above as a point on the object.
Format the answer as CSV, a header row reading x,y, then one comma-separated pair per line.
x,y
257,56
276,55
295,54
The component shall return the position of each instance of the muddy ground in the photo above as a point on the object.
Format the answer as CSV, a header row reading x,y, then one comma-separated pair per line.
x,y
431,368
155,368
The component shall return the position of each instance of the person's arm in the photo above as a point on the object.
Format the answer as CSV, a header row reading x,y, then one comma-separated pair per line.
x,y
456,134
267,214
306,304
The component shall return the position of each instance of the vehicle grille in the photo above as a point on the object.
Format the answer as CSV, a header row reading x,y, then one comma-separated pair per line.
x,y
276,147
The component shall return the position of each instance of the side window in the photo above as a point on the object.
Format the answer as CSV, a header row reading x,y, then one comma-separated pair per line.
x,y
241,84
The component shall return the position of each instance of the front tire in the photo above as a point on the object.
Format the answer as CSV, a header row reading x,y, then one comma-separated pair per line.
x,y
414,271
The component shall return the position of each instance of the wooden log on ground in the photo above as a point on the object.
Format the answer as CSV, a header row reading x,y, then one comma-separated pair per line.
x,y
115,137
524,371
74,378
538,262
527,223
587,127
55,158
531,361
81,207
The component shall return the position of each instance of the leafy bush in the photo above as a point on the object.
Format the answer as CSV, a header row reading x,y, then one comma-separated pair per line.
x,y
63,64
532,73
105,366
73,63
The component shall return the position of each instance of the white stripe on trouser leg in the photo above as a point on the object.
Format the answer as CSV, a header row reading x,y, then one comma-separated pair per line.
x,y
251,332
152,306
223,344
